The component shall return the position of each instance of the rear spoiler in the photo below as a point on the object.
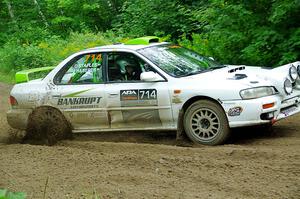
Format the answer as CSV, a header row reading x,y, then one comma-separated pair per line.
x,y
31,74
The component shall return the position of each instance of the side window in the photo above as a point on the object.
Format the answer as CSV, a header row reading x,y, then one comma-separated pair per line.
x,y
126,67
85,69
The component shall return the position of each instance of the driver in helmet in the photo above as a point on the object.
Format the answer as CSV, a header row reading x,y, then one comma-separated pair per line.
x,y
133,70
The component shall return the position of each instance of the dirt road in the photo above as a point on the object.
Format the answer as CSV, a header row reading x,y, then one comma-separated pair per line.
x,y
253,164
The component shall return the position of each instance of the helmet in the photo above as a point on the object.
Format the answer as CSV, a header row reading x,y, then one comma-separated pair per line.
x,y
125,61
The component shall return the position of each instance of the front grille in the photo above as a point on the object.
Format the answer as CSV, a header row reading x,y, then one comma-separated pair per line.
x,y
287,108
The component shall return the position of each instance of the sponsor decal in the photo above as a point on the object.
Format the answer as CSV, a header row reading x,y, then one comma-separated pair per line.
x,y
88,67
93,57
129,95
75,101
142,94
176,99
235,111
138,97
78,101
75,94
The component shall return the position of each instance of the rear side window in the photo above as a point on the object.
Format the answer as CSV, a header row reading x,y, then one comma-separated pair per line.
x,y
86,69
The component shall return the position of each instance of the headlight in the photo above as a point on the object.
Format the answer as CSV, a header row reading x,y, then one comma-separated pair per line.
x,y
288,87
293,73
258,92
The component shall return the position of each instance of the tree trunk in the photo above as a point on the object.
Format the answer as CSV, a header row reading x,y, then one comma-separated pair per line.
x,y
10,11
36,3
114,5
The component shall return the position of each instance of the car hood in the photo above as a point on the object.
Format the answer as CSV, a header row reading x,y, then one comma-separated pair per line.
x,y
262,76
234,78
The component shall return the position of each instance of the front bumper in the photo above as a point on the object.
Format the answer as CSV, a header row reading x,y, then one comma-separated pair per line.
x,y
251,112
18,118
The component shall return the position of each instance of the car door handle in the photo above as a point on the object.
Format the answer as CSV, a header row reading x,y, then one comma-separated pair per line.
x,y
56,96
113,94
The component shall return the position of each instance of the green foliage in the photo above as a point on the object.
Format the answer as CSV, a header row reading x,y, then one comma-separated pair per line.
x,y
4,194
84,15
156,17
253,33
37,33
7,77
15,56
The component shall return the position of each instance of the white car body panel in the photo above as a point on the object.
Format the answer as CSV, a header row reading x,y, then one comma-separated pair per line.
x,y
106,112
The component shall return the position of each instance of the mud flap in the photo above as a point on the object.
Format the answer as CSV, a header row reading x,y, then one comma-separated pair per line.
x,y
181,137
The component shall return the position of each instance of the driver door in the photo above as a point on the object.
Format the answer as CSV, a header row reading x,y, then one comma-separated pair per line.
x,y
132,103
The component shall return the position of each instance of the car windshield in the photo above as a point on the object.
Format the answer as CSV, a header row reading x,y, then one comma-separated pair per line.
x,y
178,61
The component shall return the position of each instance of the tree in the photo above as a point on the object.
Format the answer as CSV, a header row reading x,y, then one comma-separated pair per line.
x,y
250,32
156,17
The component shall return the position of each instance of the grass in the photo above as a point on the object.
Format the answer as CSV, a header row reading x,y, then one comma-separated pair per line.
x,y
7,77
4,194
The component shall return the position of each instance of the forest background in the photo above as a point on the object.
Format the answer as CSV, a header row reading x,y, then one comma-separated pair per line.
x,y
38,33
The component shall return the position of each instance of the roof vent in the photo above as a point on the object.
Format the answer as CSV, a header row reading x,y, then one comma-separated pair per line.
x,y
143,40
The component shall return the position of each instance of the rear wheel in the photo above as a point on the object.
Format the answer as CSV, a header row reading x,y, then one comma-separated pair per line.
x,y
47,125
206,123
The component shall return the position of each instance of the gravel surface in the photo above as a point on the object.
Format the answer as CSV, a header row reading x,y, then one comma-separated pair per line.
x,y
254,164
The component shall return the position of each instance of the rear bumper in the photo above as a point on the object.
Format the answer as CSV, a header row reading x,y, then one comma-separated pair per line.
x,y
252,112
18,118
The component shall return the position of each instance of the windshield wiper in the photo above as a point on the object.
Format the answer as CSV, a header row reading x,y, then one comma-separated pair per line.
x,y
192,73
215,67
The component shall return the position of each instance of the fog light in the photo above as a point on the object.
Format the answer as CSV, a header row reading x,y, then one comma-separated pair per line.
x,y
267,116
270,115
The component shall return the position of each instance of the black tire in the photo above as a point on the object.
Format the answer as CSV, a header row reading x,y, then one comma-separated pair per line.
x,y
47,125
205,123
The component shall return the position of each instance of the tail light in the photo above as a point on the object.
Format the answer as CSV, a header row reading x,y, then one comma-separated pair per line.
x,y
13,101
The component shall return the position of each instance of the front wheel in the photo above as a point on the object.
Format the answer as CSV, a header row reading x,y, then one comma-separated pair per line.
x,y
206,123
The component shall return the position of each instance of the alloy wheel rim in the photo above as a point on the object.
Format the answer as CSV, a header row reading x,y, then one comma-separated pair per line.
x,y
205,124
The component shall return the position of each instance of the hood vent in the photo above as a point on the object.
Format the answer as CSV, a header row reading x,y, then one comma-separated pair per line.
x,y
236,69
239,76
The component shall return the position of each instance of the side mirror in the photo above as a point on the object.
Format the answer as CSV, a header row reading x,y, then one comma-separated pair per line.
x,y
151,77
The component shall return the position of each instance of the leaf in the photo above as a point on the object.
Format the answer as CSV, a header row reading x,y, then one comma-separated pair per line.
x,y
3,193
17,195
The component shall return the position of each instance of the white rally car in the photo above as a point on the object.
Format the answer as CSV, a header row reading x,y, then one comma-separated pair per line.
x,y
147,85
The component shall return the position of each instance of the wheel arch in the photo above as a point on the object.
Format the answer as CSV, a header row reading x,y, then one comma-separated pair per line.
x,y
50,107
197,98
46,106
